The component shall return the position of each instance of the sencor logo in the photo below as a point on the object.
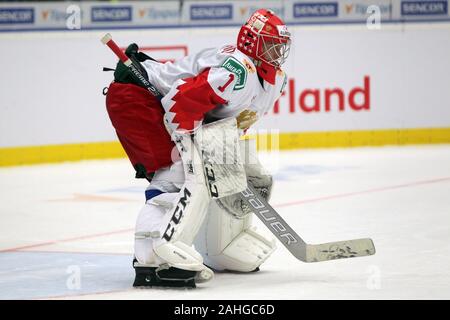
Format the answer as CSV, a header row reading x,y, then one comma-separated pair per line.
x,y
16,15
418,8
111,14
210,12
317,9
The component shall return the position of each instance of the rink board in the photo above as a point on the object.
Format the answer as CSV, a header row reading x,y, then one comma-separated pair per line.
x,y
347,86
265,142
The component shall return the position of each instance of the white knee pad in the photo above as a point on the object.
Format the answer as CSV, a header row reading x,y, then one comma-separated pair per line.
x,y
227,243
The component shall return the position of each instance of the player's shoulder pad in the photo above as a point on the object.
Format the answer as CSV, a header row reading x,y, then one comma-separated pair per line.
x,y
237,63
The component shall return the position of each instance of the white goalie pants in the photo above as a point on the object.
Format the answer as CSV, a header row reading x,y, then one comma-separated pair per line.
x,y
223,241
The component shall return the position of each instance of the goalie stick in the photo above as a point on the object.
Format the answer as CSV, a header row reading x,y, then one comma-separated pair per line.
x,y
295,244
135,73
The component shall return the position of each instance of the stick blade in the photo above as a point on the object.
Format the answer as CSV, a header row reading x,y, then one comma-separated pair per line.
x,y
339,250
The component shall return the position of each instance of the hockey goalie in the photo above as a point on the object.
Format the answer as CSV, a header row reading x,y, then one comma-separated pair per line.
x,y
184,232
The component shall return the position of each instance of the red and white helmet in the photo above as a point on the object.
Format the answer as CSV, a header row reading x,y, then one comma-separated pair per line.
x,y
265,38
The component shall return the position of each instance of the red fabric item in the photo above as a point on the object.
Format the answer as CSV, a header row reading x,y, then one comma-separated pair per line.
x,y
137,117
193,99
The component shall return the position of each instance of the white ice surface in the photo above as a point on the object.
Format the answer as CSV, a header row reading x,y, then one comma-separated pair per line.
x,y
66,230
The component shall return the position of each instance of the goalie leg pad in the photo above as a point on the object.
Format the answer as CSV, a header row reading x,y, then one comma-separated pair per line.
x,y
169,223
231,244
153,251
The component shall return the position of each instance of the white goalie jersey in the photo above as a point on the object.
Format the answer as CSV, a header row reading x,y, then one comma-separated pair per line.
x,y
216,83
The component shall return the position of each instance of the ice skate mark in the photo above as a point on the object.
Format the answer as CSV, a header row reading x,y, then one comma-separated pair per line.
x,y
53,242
72,252
79,197
356,193
80,295
131,189
292,172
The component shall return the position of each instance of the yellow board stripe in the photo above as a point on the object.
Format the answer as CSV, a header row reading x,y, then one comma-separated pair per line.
x,y
336,139
59,153
284,141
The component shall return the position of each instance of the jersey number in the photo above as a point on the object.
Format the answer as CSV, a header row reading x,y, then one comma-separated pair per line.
x,y
231,78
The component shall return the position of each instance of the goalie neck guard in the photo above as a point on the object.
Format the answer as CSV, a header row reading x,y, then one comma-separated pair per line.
x,y
265,38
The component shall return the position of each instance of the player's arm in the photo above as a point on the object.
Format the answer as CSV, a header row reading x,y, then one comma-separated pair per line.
x,y
190,98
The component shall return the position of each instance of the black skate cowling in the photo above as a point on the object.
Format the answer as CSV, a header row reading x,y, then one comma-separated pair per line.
x,y
164,277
